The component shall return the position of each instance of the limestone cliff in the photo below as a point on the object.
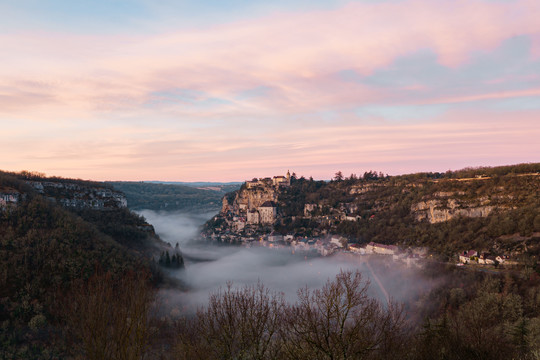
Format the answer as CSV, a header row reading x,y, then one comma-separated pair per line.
x,y
444,206
80,195
249,199
436,211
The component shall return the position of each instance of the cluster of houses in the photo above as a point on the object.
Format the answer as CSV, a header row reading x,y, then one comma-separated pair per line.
x,y
323,246
276,181
410,256
256,206
473,257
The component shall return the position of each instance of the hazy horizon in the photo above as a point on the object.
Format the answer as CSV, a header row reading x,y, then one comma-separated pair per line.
x,y
203,181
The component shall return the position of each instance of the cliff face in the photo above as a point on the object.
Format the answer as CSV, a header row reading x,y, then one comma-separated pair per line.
x,y
249,199
250,207
444,206
80,195
436,211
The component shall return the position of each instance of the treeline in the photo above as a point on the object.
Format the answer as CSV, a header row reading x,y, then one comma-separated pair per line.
x,y
176,261
37,176
44,249
468,172
124,226
471,316
526,168
472,172
338,321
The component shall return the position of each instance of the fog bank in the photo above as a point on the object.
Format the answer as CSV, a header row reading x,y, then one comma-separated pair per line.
x,y
210,267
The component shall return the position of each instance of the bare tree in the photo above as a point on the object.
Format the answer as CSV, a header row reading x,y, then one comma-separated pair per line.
x,y
340,321
237,324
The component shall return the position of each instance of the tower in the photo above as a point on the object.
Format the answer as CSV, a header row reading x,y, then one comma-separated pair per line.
x,y
288,177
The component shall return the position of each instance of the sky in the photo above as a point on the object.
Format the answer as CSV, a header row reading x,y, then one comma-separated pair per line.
x,y
231,90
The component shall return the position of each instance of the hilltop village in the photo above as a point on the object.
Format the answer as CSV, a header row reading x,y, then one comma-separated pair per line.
x,y
377,214
249,216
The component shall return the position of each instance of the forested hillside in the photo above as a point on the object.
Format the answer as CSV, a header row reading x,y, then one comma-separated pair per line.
x,y
489,209
169,197
47,251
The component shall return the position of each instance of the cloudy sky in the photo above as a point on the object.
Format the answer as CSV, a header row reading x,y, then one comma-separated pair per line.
x,y
228,90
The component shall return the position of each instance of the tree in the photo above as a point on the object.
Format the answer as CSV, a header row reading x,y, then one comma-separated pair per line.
x,y
338,176
237,324
108,317
489,326
340,321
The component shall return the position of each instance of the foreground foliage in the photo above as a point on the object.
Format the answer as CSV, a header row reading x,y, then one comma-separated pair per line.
x,y
338,321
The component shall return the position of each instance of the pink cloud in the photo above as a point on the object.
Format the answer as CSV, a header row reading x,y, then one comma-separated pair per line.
x,y
293,53
485,96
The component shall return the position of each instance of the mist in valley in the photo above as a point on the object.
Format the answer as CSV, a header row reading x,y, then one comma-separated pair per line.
x,y
210,267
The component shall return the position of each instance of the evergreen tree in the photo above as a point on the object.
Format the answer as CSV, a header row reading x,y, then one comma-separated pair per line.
x,y
167,259
162,258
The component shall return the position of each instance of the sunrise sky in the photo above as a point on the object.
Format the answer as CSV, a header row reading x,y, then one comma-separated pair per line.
x,y
228,90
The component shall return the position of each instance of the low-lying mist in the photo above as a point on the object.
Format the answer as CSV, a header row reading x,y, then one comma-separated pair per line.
x,y
210,267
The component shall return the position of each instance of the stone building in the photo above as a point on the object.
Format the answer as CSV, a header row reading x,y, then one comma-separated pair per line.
x,y
282,180
253,217
267,212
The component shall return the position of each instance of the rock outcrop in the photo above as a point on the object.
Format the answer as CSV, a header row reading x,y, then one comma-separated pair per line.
x,y
249,199
9,197
444,206
80,195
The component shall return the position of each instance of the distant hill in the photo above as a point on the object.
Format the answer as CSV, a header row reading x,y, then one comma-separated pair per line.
x,y
195,197
218,186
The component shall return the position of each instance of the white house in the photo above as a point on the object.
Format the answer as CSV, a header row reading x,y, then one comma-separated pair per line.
x,y
381,249
465,256
355,248
338,241
253,217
